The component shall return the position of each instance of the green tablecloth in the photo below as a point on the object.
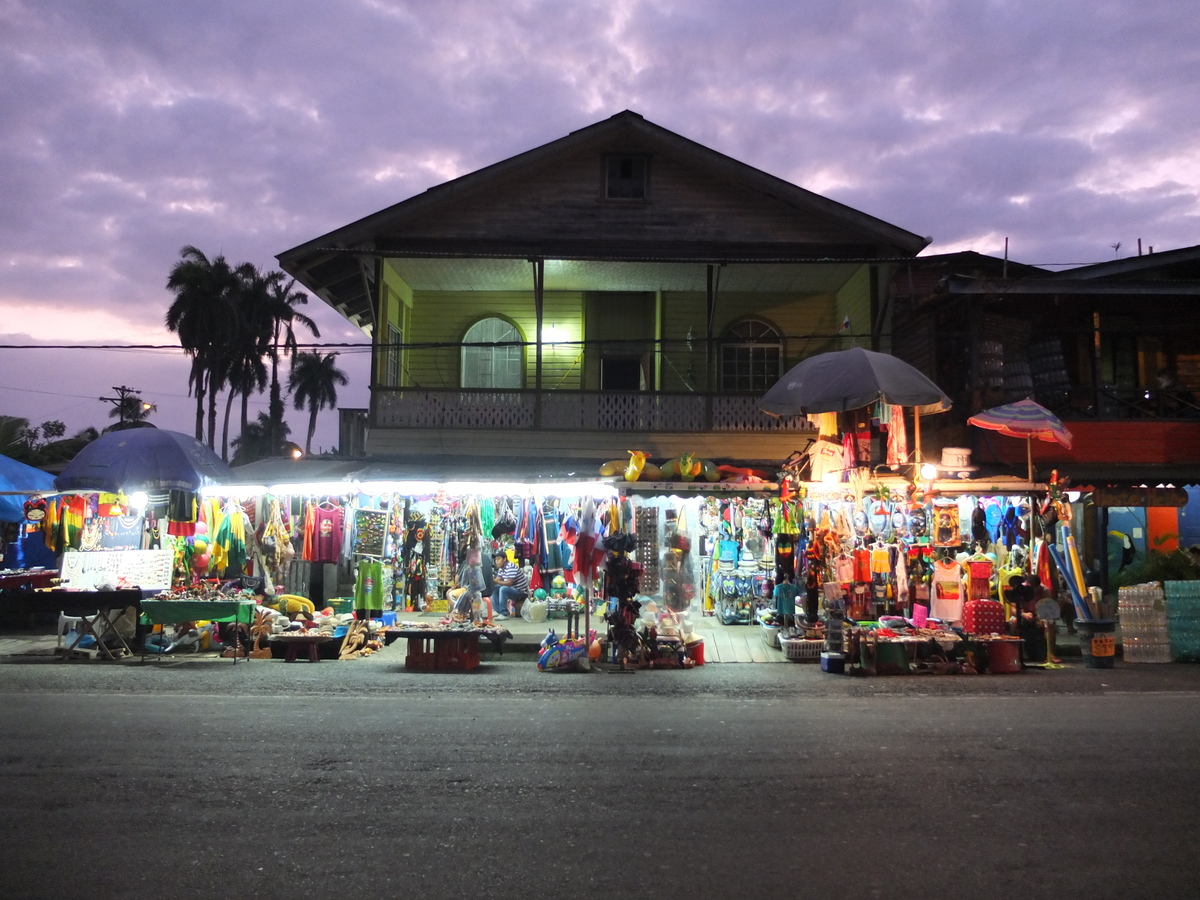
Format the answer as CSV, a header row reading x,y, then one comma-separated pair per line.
x,y
169,612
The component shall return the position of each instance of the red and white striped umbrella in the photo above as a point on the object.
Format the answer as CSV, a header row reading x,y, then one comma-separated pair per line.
x,y
1024,419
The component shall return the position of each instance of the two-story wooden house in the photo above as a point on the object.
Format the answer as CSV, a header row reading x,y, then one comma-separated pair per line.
x,y
620,288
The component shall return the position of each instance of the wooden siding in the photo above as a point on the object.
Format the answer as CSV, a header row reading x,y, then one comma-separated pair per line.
x,y
796,316
615,317
443,317
854,300
564,201
1126,442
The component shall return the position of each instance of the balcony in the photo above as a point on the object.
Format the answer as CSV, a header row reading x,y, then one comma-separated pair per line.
x,y
579,423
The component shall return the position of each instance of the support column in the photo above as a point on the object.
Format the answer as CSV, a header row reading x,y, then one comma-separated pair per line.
x,y
539,304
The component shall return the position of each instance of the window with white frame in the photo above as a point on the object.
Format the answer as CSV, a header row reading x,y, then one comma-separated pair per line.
x,y
751,356
391,375
487,366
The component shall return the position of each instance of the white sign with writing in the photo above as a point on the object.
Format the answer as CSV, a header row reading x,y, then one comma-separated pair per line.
x,y
149,570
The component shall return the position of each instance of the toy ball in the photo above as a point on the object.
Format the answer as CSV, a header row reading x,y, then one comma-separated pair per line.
x,y
201,562
539,594
201,546
558,583
201,527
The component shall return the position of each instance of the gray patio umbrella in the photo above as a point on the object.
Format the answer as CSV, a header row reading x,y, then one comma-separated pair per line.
x,y
143,459
851,379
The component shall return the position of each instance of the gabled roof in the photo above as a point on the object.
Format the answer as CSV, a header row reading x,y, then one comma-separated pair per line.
x,y
494,213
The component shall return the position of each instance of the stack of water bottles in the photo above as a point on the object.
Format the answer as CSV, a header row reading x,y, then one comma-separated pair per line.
x,y
1144,635
1183,619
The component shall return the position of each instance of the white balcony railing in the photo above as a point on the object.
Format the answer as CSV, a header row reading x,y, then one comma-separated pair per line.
x,y
573,411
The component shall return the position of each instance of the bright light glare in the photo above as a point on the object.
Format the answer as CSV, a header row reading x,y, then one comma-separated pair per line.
x,y
929,471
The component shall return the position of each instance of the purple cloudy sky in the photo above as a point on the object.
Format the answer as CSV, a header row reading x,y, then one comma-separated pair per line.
x,y
129,129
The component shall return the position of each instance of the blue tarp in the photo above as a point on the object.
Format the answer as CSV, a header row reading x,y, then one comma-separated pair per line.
x,y
16,476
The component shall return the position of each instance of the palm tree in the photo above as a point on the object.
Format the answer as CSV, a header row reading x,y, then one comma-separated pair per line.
x,y
130,411
204,315
283,312
313,382
255,441
243,368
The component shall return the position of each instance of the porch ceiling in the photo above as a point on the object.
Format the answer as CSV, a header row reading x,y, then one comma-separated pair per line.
x,y
443,274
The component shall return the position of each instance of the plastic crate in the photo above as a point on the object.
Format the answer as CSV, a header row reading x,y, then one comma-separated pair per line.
x,y
801,650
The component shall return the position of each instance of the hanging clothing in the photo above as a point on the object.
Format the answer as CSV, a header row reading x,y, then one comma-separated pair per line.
x,y
230,541
368,586
849,451
328,522
181,513
979,586
826,423
897,442
946,602
901,576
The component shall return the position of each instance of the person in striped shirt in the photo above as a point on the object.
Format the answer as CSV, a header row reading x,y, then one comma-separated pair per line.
x,y
512,586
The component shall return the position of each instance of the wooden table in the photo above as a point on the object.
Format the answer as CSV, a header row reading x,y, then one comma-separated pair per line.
x,y
310,642
431,649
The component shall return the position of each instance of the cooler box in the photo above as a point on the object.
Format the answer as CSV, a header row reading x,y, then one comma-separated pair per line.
x,y
983,617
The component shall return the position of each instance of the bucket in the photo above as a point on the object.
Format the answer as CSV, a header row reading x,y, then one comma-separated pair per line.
x,y
695,650
1097,642
1004,657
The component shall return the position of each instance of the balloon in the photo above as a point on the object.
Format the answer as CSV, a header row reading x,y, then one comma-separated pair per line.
x,y
201,527
201,546
201,562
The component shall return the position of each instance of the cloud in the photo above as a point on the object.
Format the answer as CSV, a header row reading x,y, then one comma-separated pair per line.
x,y
130,130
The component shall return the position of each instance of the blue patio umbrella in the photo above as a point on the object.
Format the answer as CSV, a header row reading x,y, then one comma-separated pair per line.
x,y
143,459
17,482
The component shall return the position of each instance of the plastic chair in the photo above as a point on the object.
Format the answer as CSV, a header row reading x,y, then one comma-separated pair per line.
x,y
67,625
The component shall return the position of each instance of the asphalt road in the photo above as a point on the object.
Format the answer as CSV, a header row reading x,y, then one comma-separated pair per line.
x,y
180,779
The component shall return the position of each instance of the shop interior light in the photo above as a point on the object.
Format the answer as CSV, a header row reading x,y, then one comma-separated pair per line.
x,y
139,500
315,489
576,488
929,471
233,490
409,488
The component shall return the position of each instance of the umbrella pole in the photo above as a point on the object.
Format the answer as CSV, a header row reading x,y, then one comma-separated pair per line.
x,y
917,437
1029,456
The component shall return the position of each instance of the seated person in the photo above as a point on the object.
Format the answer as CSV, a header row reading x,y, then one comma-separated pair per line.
x,y
470,585
512,586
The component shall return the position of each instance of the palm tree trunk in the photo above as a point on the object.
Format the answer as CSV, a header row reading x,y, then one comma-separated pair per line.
x,y
212,418
200,410
245,409
225,427
312,428
275,406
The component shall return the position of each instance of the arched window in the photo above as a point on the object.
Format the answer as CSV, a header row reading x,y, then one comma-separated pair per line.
x,y
485,366
751,356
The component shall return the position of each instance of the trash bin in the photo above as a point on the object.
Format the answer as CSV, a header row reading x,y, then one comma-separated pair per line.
x,y
1097,642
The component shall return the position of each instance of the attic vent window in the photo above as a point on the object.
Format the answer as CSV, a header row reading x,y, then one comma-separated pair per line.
x,y
626,178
